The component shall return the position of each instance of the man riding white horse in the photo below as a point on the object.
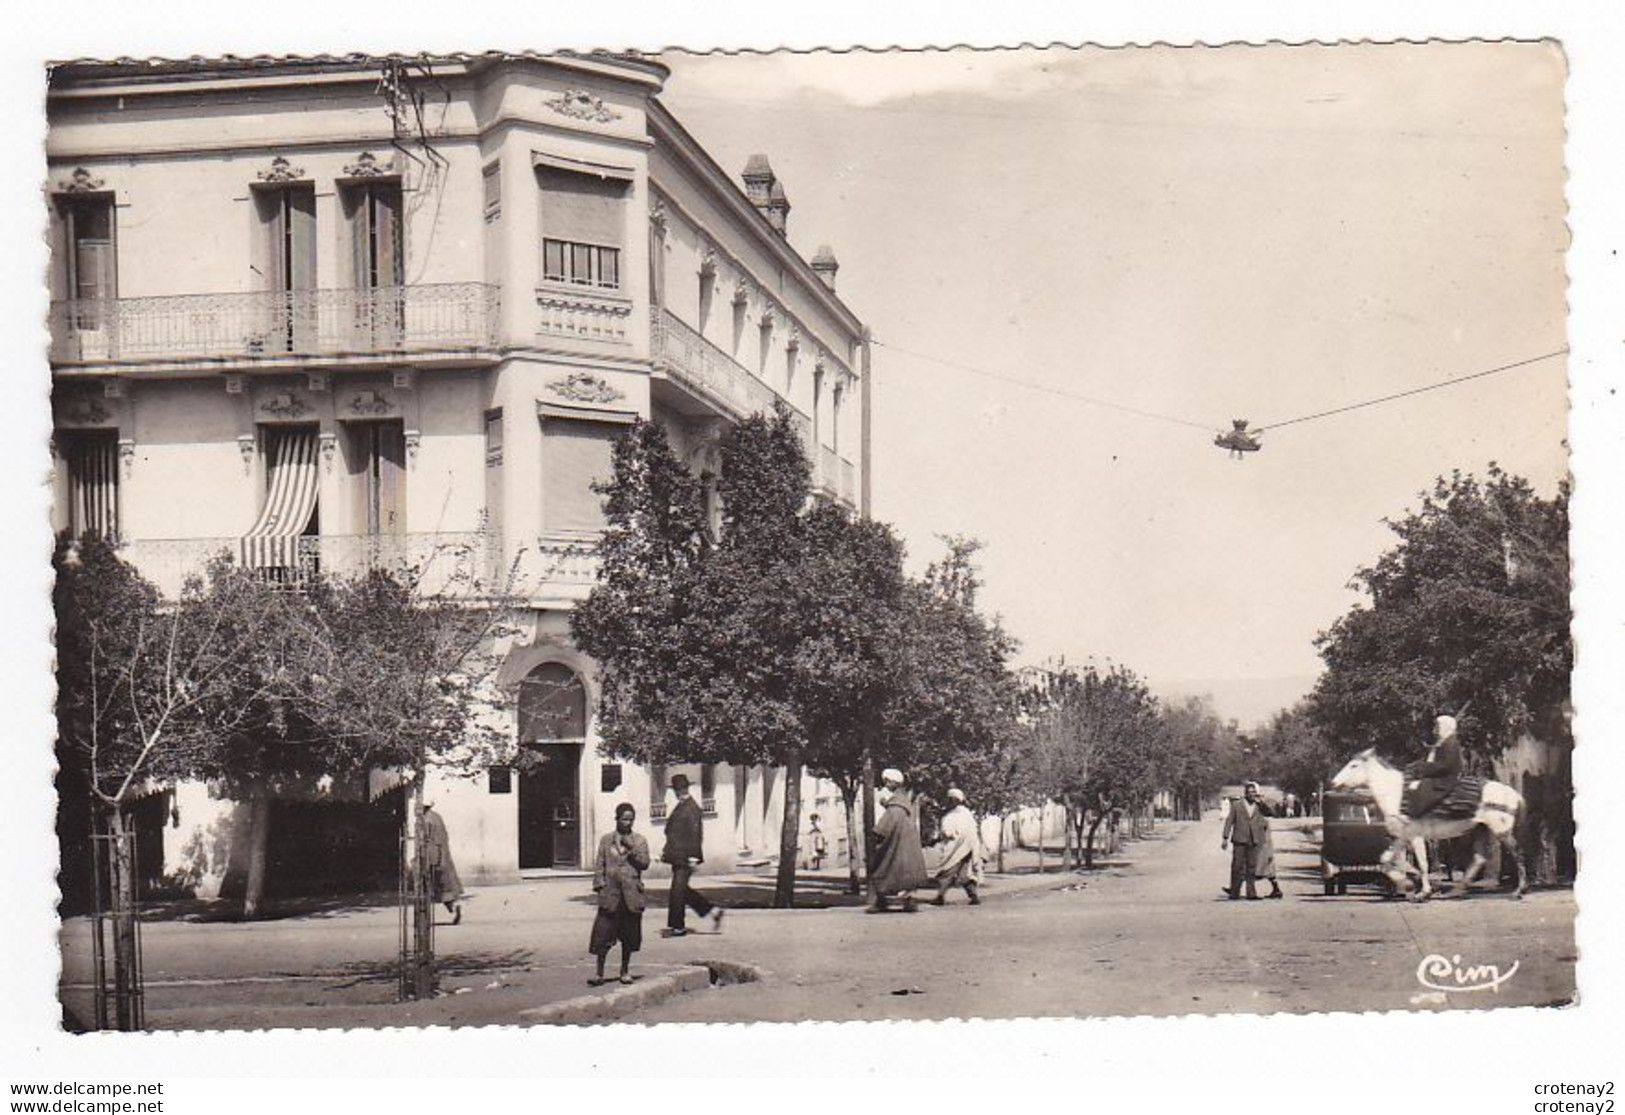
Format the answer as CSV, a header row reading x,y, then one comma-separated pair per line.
x,y
1431,801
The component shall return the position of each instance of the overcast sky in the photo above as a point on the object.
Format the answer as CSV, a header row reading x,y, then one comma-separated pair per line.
x,y
1201,234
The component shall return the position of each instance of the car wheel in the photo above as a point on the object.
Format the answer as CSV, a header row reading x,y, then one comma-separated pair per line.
x,y
1342,888
1331,888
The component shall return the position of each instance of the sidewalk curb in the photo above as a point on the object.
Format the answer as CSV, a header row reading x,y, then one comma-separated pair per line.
x,y
607,1005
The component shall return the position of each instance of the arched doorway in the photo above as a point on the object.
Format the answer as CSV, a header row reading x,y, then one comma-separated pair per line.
x,y
553,733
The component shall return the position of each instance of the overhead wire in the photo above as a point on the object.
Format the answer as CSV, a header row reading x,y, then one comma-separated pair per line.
x,y
1045,388
1260,428
1414,391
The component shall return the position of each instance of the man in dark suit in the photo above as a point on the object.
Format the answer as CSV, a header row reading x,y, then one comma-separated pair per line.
x,y
1246,828
684,851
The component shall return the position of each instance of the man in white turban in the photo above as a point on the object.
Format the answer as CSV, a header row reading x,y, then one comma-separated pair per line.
x,y
962,855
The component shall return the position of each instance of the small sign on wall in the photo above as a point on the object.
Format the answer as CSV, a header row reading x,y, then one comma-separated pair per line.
x,y
609,777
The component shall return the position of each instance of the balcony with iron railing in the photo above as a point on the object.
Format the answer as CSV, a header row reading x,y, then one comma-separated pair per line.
x,y
707,371
442,320
466,564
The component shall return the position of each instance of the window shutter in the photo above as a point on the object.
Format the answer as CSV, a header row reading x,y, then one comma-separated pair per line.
x,y
391,477
387,233
582,207
302,240
575,453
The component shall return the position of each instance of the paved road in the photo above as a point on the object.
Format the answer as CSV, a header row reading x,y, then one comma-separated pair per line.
x,y
1154,936
1147,934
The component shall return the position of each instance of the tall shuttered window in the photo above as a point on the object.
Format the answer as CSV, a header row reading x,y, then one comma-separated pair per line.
x,y
287,217
583,227
93,495
90,257
577,452
377,455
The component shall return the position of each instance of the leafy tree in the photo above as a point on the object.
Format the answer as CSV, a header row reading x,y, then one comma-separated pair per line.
x,y
1295,753
1094,746
1468,611
1195,754
150,691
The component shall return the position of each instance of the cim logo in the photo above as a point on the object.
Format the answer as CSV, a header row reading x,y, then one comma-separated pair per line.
x,y
1447,973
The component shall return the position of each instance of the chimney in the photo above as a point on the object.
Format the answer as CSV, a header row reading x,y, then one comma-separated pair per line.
x,y
778,209
823,262
758,178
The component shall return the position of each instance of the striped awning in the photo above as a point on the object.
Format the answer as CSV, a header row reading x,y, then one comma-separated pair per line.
x,y
273,541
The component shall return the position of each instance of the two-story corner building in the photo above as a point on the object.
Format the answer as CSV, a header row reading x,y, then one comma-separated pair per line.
x,y
328,313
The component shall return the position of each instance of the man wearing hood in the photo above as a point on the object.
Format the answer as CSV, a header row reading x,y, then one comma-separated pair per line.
x,y
898,867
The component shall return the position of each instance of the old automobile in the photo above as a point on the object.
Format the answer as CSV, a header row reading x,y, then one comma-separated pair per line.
x,y
1353,839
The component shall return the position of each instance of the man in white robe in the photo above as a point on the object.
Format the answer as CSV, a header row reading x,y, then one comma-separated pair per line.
x,y
962,854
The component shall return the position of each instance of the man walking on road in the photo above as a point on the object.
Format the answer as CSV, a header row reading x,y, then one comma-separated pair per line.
x,y
962,854
898,866
1246,833
684,851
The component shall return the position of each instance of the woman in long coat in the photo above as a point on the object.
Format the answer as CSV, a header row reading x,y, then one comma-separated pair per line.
x,y
444,885
899,864
617,876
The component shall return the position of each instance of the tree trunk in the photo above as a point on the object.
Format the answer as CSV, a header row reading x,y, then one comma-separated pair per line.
x,y
425,981
784,888
1003,821
1089,845
127,990
865,847
854,840
259,830
1041,839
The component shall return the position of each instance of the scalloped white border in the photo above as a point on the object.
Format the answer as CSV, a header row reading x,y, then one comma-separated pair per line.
x,y
1325,1063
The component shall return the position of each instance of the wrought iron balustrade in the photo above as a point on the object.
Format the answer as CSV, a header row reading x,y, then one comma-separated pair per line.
x,y
718,377
417,318
445,563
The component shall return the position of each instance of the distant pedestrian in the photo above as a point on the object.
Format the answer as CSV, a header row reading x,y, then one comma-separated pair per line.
x,y
443,884
962,854
684,851
617,877
817,844
898,865
1246,833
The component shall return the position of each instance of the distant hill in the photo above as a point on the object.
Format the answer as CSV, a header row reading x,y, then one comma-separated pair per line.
x,y
1249,701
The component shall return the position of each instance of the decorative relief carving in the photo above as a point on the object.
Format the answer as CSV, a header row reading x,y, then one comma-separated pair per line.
x,y
769,315
316,381
113,388
245,446
329,443
234,385
79,182
658,218
582,105
404,379
285,405
368,166
584,387
85,412
126,455
282,171
741,292
371,402
708,263
794,340
414,438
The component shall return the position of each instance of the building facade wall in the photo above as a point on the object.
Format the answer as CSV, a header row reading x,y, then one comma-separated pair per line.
x,y
184,161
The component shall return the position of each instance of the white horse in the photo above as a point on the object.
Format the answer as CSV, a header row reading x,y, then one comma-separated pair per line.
x,y
1498,809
